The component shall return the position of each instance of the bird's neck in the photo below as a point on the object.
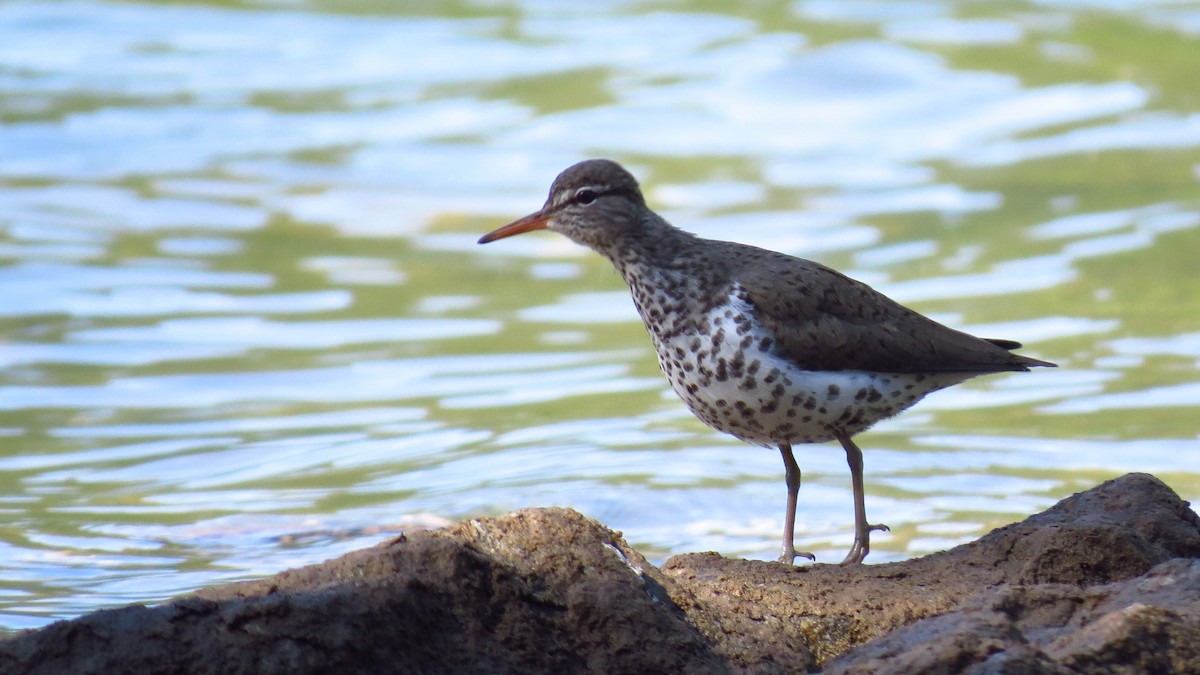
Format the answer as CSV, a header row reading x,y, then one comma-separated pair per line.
x,y
671,278
652,247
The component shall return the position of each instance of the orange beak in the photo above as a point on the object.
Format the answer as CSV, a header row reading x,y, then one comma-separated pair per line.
x,y
531,222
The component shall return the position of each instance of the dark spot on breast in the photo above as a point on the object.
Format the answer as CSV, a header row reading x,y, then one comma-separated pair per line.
x,y
782,430
744,410
737,365
833,392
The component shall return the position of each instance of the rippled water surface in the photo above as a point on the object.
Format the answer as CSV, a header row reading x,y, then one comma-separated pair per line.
x,y
245,325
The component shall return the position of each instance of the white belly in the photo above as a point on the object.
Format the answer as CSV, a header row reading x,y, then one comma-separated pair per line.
x,y
732,380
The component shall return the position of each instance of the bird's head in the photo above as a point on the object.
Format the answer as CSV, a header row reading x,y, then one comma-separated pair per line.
x,y
595,203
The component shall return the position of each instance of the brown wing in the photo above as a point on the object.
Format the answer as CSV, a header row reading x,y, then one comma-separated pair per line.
x,y
825,320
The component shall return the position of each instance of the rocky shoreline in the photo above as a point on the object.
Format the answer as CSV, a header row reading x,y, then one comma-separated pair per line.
x,y
1107,580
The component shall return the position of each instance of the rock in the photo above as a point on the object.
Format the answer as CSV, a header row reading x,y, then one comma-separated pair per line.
x,y
805,616
542,590
1105,581
1150,624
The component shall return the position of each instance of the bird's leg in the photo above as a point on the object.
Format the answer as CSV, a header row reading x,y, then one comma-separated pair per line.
x,y
862,529
789,552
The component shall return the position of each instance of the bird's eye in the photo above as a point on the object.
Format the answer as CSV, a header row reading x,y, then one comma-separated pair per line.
x,y
585,196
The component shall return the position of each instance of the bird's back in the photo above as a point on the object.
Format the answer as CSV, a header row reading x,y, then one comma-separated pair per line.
x,y
824,320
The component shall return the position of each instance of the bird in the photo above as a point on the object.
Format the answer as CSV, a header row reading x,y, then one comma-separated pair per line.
x,y
772,349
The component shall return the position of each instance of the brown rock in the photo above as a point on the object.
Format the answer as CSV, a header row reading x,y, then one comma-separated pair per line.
x,y
1105,581
1150,624
543,590
791,617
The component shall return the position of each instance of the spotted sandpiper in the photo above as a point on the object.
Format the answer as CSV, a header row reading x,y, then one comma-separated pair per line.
x,y
772,349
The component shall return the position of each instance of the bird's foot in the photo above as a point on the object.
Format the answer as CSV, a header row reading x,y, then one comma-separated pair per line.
x,y
862,544
789,555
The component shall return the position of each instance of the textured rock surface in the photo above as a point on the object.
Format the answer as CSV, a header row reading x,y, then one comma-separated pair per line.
x,y
1150,624
543,590
1105,581
805,616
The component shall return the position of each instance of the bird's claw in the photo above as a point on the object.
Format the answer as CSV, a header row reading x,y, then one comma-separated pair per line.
x,y
788,557
862,544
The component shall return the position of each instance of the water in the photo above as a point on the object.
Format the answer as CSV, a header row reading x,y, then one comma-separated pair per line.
x,y
245,325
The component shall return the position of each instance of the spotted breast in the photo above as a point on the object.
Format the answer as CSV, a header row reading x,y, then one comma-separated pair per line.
x,y
725,367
